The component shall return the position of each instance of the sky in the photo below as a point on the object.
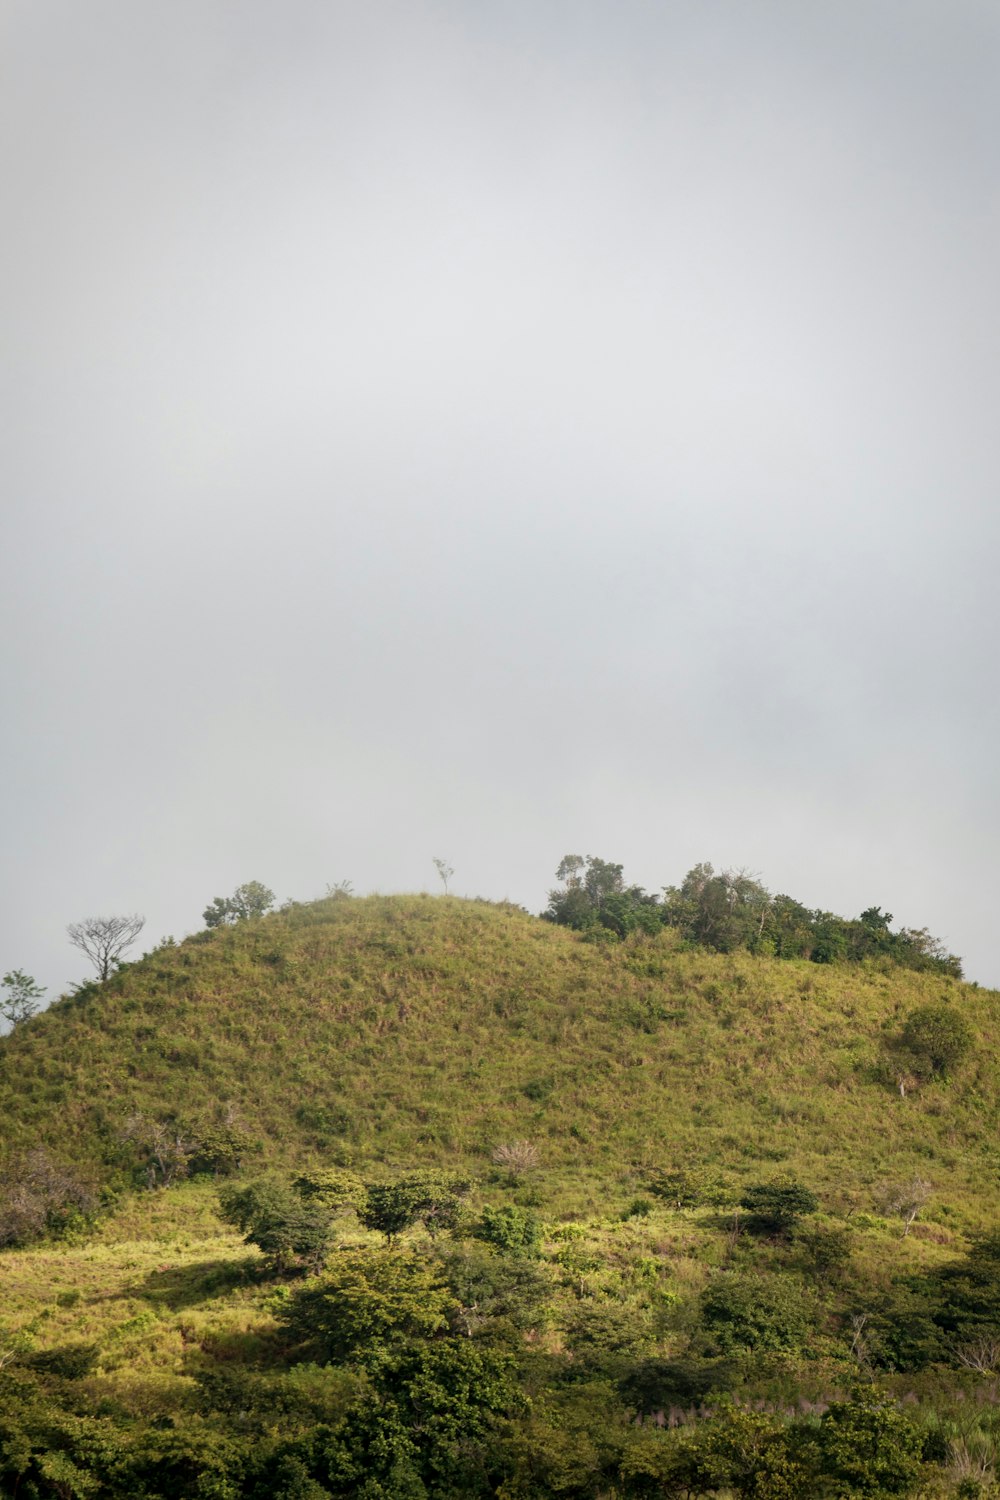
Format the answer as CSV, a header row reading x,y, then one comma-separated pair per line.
x,y
490,432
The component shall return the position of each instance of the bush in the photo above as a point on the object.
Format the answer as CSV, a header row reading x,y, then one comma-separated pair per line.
x,y
515,1231
280,1222
690,1187
869,1447
748,1313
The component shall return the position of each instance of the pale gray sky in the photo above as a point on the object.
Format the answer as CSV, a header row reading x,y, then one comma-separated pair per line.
x,y
491,431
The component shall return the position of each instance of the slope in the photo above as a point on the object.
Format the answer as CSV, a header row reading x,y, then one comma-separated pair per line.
x,y
407,1030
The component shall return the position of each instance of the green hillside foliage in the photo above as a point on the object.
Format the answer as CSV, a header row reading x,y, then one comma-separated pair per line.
x,y
731,910
423,1197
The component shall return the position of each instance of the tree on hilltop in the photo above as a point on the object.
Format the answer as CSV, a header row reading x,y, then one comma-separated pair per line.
x,y
250,900
594,894
105,939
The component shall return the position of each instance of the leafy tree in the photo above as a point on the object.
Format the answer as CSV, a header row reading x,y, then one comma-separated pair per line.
x,y
445,870
250,900
936,1037
22,998
775,1207
726,911
105,939
689,1187
366,1299
868,1447
594,894
497,1297
288,1229
427,1197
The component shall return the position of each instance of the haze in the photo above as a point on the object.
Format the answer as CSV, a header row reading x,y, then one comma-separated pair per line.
x,y
494,431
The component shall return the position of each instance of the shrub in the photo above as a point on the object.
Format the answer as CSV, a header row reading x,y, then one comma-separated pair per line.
x,y
869,1447
689,1187
515,1231
748,1313
276,1218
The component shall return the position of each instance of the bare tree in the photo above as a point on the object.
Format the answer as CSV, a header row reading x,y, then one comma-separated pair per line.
x,y
981,1353
105,939
519,1157
906,1199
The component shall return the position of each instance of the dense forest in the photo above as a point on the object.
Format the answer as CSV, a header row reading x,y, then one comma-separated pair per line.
x,y
422,1198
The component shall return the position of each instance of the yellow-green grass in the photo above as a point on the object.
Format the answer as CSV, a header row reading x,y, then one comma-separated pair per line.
x,y
397,1031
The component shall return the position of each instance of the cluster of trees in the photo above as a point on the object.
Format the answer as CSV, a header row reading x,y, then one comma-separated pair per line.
x,y
730,910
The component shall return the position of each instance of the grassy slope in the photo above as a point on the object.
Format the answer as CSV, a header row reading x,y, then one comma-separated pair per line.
x,y
418,1029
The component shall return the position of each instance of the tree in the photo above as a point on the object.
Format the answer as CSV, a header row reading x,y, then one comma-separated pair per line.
x,y
936,1036
445,870
427,1197
775,1207
250,900
278,1218
21,1000
594,894
367,1299
105,939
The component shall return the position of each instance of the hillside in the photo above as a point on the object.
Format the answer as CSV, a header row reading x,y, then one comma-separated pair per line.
x,y
635,1315
420,1029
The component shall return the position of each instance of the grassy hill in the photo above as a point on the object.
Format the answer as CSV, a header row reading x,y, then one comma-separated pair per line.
x,y
426,1030
383,1035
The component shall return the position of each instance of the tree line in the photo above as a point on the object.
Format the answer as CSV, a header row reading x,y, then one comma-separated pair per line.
x,y
731,910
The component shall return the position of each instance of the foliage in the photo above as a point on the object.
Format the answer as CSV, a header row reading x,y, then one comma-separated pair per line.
x,y
287,1227
868,1447
367,1300
515,1231
40,1195
247,901
731,910
937,1037
594,894
776,1207
689,1187
430,1198
22,999
748,1313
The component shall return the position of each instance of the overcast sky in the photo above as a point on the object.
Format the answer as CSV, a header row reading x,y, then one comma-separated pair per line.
x,y
494,431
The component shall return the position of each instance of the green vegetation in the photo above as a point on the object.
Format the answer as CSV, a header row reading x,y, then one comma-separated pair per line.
x,y
22,998
426,1198
247,901
731,911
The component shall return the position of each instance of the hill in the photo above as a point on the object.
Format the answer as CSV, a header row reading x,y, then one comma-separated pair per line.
x,y
427,1030
754,1215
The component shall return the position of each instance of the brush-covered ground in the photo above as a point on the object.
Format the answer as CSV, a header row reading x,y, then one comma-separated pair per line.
x,y
598,1316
